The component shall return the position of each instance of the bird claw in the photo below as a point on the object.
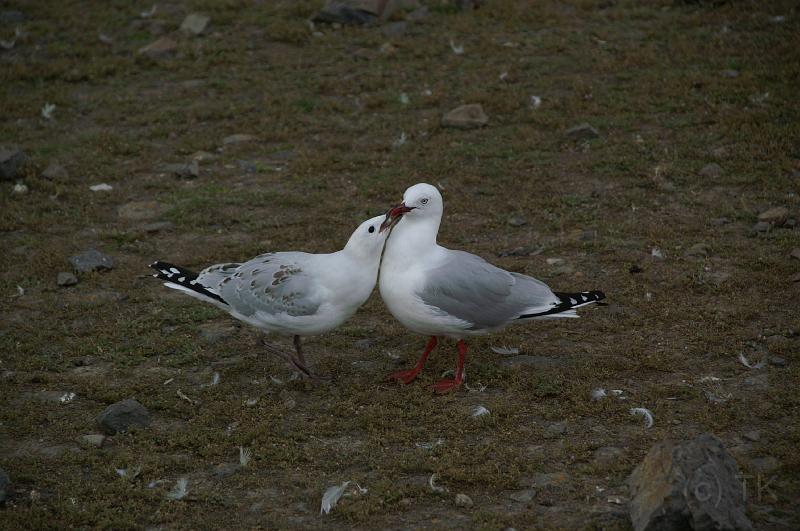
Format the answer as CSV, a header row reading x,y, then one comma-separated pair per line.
x,y
403,376
445,386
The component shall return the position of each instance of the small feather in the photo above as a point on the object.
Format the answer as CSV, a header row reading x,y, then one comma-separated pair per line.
x,y
505,351
432,484
67,397
331,497
744,361
598,393
244,455
479,411
180,490
646,413
457,49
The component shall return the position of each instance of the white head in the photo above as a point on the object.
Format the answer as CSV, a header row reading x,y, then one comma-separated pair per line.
x,y
421,202
367,240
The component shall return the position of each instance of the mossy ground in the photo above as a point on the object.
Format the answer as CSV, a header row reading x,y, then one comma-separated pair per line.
x,y
647,75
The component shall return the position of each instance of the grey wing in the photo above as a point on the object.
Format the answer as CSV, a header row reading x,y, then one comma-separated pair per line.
x,y
473,290
270,285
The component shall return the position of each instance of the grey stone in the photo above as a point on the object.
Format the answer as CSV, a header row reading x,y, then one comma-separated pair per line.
x,y
711,170
140,210
777,361
692,484
195,23
357,12
462,500
66,278
774,216
517,221
158,226
93,440
122,415
91,260
761,226
534,361
752,435
719,152
468,116
523,496
5,484
555,430
159,49
12,160
582,131
698,250
607,455
237,139
190,170
55,172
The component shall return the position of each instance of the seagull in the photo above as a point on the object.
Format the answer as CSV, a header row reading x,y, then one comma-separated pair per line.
x,y
291,293
437,292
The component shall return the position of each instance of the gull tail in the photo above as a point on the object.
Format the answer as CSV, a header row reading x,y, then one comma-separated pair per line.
x,y
566,305
185,280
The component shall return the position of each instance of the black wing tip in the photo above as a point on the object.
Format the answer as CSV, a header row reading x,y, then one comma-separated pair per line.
x,y
570,301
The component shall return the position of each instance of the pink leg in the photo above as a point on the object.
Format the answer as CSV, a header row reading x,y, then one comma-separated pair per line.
x,y
445,386
408,376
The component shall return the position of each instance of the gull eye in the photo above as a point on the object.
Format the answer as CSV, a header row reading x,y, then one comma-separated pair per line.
x,y
424,201
371,229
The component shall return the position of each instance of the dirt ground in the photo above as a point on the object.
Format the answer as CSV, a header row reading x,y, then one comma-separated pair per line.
x,y
670,87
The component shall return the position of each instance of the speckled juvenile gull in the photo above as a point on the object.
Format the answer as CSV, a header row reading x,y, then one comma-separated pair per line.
x,y
292,293
441,292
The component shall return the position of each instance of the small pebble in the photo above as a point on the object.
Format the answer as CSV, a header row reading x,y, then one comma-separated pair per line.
x,y
67,279
462,500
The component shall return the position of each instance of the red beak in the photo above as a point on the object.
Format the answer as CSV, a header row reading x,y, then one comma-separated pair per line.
x,y
393,216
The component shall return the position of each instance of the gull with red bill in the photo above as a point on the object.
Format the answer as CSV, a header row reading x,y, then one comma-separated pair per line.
x,y
439,292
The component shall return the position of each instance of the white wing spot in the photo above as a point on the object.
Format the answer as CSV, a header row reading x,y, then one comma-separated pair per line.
x,y
181,279
573,301
174,270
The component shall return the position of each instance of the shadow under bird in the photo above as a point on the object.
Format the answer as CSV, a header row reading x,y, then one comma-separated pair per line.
x,y
437,292
292,293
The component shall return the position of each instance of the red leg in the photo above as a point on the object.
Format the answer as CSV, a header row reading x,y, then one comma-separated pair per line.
x,y
408,376
445,386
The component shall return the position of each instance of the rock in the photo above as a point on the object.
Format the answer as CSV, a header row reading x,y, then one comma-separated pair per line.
x,y
237,139
555,430
358,12
158,226
554,261
730,73
698,250
711,170
5,484
91,260
468,116
608,455
774,216
533,361
777,361
523,496
160,49
93,440
66,278
55,172
462,500
517,221
122,415
140,210
752,435
12,160
761,226
189,170
582,131
796,278
202,156
692,484
195,23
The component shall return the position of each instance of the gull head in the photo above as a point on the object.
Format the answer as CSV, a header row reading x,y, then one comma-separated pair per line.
x,y
420,201
367,240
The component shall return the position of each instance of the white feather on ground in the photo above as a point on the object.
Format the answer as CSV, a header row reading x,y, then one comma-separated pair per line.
x,y
180,490
646,413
